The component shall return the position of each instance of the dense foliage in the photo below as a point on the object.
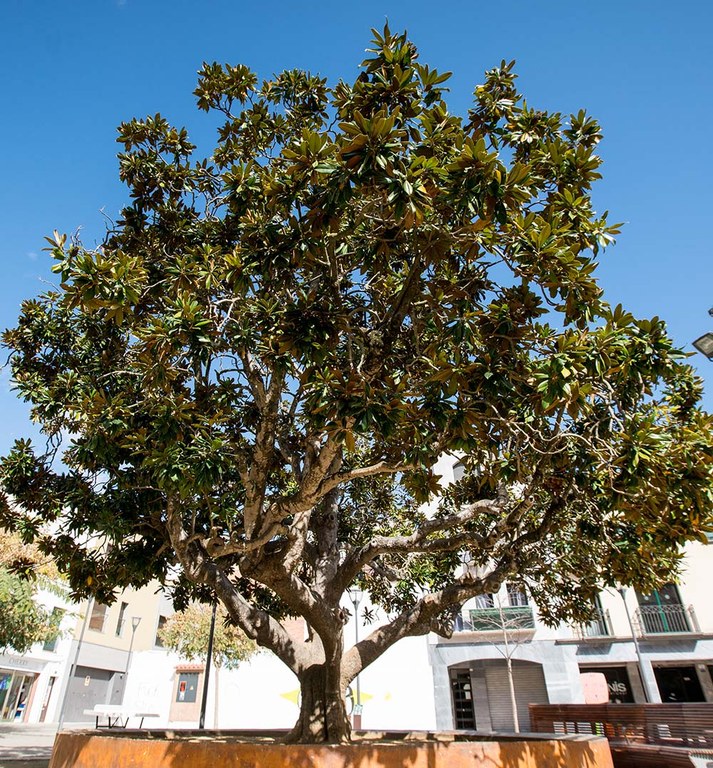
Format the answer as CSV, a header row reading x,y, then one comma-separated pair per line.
x,y
187,633
253,377
23,621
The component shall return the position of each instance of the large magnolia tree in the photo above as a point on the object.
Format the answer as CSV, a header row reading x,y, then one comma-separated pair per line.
x,y
251,379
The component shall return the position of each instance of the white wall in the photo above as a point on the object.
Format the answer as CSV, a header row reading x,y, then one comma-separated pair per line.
x,y
397,690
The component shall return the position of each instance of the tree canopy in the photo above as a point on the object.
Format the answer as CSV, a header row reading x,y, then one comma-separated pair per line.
x,y
23,621
252,378
187,633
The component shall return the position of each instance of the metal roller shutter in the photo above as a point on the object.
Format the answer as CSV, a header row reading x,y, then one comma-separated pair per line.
x,y
530,688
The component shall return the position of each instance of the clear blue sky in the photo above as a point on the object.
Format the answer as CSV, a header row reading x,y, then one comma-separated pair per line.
x,y
73,69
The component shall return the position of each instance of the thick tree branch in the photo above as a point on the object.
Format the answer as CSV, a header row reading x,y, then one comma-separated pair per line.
x,y
380,468
263,454
420,619
417,541
257,624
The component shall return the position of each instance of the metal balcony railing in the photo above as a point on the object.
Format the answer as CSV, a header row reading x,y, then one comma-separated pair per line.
x,y
506,619
666,619
599,626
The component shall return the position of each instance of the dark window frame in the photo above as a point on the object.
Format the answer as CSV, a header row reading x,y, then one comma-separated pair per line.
x,y
160,624
121,620
98,616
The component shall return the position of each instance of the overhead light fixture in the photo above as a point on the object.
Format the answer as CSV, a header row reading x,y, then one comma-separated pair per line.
x,y
704,345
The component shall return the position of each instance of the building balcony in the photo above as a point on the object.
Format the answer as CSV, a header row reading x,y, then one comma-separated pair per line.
x,y
599,628
666,620
505,619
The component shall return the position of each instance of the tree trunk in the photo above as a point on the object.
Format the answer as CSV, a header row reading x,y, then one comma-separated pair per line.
x,y
323,712
216,700
513,699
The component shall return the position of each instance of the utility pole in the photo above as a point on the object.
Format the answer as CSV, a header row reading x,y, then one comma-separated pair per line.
x,y
135,621
355,595
72,669
650,697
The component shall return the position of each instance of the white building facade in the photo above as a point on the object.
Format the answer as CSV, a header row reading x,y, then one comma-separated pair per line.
x,y
673,628
115,657
30,682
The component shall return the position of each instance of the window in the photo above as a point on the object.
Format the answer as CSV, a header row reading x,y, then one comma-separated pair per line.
x,y
121,620
98,617
485,601
53,636
617,682
462,692
187,690
161,624
598,626
516,595
458,471
662,611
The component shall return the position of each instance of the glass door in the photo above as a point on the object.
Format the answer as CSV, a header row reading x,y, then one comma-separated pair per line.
x,y
16,692
8,711
23,697
5,680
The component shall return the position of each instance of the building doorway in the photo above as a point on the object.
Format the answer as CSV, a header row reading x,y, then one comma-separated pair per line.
x,y
678,684
47,698
88,687
480,694
15,690
462,692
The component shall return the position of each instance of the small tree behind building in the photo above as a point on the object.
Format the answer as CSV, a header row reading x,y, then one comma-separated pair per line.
x,y
187,633
507,627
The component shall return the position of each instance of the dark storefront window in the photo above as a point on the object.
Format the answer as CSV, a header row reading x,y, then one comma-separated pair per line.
x,y
677,684
462,689
618,683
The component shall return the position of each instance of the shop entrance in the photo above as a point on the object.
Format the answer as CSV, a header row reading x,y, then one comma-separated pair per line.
x,y
15,690
678,684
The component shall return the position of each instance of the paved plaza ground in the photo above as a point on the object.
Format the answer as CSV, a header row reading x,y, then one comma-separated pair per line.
x,y
26,746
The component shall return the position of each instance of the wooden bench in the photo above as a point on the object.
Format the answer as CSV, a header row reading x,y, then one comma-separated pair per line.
x,y
116,716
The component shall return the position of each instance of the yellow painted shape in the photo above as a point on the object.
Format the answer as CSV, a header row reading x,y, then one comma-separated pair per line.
x,y
293,696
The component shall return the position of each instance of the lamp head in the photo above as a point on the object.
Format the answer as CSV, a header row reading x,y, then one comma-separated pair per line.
x,y
704,344
355,594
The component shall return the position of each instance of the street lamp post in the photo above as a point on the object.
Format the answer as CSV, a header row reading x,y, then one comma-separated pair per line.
x,y
355,595
73,668
135,621
650,697
206,677
704,344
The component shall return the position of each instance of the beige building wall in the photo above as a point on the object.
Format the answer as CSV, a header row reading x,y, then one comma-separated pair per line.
x,y
697,583
147,603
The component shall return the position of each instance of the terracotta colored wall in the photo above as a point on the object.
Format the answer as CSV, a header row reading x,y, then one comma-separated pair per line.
x,y
87,750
